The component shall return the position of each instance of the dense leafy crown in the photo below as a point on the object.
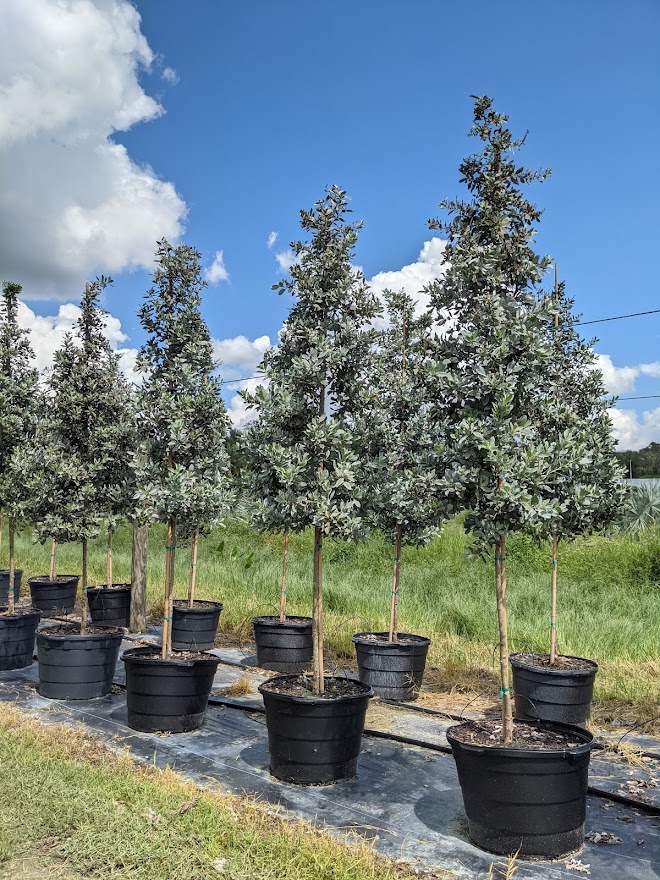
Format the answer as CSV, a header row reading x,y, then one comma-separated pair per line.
x,y
493,354
304,457
586,477
80,460
182,466
19,393
401,449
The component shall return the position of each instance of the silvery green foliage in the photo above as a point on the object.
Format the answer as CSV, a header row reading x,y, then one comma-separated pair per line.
x,y
493,357
19,398
80,458
586,479
401,450
304,457
182,466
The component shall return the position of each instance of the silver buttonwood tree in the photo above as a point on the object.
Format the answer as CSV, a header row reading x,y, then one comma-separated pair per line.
x,y
493,355
307,462
19,402
182,466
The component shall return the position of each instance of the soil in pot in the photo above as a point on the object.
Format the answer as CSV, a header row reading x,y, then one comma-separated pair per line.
x,y
110,605
393,669
559,693
167,695
17,632
530,796
194,629
4,585
74,666
283,646
314,740
57,596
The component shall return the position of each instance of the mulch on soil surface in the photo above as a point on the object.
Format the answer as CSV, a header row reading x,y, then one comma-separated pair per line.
x,y
525,736
301,686
561,663
73,629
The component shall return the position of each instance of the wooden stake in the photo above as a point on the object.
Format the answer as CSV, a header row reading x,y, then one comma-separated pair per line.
x,y
53,554
193,568
2,514
553,601
12,564
394,604
84,604
317,614
138,622
169,587
108,559
285,555
505,692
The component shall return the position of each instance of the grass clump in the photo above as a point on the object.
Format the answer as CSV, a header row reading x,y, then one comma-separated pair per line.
x,y
99,814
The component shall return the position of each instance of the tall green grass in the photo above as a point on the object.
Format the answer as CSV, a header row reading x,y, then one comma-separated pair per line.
x,y
609,593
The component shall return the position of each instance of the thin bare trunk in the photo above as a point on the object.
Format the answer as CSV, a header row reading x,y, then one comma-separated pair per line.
x,y
553,601
193,568
505,693
139,579
108,560
83,609
2,515
317,613
285,556
394,604
169,589
12,568
53,555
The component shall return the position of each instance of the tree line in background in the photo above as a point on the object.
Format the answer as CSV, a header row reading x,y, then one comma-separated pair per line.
x,y
487,402
641,463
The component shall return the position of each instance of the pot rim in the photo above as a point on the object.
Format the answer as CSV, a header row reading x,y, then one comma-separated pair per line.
x,y
515,660
145,654
296,621
359,638
518,754
104,588
217,606
312,699
43,580
27,614
16,571
113,632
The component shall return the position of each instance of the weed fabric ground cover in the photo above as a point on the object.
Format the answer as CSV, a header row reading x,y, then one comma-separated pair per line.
x,y
406,799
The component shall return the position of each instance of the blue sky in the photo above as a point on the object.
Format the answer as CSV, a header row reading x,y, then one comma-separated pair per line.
x,y
247,110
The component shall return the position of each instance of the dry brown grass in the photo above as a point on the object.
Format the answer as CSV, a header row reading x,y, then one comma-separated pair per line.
x,y
240,687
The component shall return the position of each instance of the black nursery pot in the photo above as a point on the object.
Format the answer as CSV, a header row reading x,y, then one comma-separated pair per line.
x,y
17,639
110,606
76,667
4,585
167,695
58,596
314,740
524,799
393,669
562,695
194,629
283,646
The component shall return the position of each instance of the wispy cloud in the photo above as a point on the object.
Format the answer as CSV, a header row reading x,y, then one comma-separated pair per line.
x,y
217,271
272,238
170,75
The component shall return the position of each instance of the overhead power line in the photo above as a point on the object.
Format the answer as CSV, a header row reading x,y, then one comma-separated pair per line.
x,y
616,318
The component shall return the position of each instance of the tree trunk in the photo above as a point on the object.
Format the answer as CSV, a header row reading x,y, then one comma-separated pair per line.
x,y
12,566
394,604
169,588
53,554
2,515
138,621
193,568
108,560
83,608
317,613
283,588
553,601
505,692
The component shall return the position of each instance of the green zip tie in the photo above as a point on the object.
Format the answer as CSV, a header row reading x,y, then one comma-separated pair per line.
x,y
500,559
554,563
193,565
169,548
397,559
167,618
553,625
318,548
503,691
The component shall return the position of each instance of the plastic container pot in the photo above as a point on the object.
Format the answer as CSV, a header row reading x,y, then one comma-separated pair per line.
x,y
561,695
57,596
17,639
110,606
74,666
393,669
283,646
194,629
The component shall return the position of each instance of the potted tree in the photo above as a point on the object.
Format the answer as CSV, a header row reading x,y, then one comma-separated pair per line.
x,y
175,475
315,724
19,395
524,786
402,500
587,480
75,457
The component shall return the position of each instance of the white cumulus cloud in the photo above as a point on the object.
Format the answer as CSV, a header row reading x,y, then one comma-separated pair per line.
x,y
240,358
633,431
72,201
285,259
415,276
217,271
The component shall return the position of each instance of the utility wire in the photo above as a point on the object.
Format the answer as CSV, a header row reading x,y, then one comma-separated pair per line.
x,y
616,318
